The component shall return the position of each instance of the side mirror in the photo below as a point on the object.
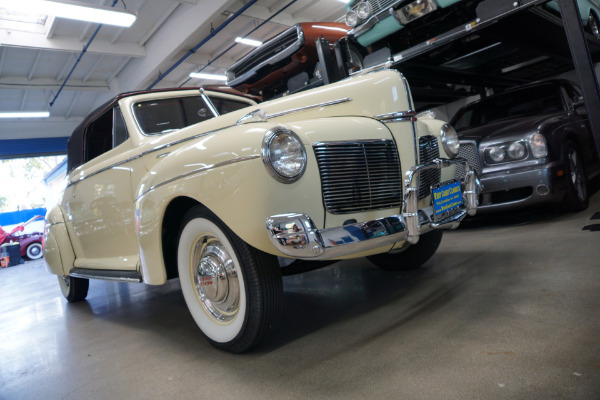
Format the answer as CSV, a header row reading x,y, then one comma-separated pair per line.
x,y
578,102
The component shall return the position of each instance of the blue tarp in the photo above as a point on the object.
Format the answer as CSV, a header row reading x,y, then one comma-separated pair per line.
x,y
16,217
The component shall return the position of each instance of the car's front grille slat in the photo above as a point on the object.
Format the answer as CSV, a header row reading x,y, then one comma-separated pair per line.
x,y
359,176
428,151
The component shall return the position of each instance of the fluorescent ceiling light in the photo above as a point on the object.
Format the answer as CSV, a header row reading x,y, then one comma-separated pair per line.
x,y
35,114
249,42
72,10
214,77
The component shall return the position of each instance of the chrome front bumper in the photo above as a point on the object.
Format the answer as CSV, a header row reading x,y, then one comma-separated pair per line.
x,y
295,234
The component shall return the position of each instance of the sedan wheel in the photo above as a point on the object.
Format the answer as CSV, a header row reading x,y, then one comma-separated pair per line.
x,y
232,290
74,289
594,26
34,251
576,197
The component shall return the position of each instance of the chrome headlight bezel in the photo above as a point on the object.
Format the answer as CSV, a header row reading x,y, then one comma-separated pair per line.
x,y
363,10
450,140
351,19
272,160
504,152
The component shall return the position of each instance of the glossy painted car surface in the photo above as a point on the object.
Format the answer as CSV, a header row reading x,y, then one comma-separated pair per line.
x,y
226,194
531,145
265,70
384,18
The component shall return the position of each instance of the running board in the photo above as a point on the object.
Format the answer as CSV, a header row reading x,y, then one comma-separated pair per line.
x,y
107,275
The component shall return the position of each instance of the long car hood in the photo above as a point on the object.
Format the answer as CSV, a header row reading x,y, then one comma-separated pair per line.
x,y
502,128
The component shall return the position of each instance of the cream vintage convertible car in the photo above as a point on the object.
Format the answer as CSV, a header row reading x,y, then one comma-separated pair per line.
x,y
226,194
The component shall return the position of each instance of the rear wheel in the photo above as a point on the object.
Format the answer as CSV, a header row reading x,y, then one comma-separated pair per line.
x,y
412,257
74,289
576,197
233,291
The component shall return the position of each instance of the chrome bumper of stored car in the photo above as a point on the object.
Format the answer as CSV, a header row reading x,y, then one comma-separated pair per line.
x,y
296,235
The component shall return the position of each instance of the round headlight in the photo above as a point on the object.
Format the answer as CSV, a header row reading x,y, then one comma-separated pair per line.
x,y
284,155
496,153
517,150
537,142
363,10
450,140
351,18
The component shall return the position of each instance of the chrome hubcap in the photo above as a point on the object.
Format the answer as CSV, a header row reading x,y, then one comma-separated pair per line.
x,y
577,178
215,277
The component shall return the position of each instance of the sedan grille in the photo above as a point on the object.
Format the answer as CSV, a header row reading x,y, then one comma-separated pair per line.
x,y
359,176
428,151
469,152
377,5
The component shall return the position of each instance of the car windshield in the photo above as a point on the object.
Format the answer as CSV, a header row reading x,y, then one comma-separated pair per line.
x,y
515,104
166,115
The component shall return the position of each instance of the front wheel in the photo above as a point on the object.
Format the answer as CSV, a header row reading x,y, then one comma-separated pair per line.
x,y
594,26
74,289
413,257
34,251
576,196
233,291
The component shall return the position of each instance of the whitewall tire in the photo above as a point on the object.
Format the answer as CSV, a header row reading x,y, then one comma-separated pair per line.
x,y
232,290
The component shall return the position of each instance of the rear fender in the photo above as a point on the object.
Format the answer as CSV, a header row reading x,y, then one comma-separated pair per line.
x,y
58,251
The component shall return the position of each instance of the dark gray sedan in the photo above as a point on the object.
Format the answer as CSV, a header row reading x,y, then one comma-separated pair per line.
x,y
530,145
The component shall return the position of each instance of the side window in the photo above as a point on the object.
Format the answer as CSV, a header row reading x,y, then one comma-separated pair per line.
x,y
165,115
98,136
104,133
225,106
120,133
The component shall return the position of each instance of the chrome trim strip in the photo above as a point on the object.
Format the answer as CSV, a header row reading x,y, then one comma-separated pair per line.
x,y
318,105
196,171
107,275
400,115
158,148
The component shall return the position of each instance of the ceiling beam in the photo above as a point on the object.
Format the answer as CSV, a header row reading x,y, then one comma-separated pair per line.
x,y
171,40
263,13
62,43
52,84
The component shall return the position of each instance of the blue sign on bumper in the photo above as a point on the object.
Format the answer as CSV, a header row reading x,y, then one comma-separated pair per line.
x,y
447,198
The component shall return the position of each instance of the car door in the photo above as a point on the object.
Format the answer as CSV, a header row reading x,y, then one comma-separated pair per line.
x,y
99,198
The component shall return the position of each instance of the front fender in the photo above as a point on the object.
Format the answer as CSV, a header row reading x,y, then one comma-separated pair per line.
x,y
58,251
228,176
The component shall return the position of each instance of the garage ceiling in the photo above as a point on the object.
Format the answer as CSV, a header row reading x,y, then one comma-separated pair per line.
x,y
36,56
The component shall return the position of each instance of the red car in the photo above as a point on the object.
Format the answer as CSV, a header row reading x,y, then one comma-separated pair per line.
x,y
30,243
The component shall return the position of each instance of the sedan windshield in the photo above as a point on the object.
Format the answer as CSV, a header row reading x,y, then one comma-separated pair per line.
x,y
514,104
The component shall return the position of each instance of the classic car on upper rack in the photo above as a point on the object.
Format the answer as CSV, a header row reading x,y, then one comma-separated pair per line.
x,y
229,195
266,70
530,145
400,24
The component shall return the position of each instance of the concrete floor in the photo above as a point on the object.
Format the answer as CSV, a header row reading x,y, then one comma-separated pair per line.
x,y
506,309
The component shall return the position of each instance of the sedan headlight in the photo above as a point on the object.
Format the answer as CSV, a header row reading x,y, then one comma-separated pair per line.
x,y
363,10
537,142
508,151
351,18
284,155
450,140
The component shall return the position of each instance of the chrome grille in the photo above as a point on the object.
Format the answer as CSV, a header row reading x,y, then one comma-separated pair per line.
x,y
377,5
359,176
468,151
428,151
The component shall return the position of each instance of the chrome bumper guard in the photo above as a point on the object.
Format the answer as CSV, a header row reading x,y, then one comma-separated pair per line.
x,y
295,235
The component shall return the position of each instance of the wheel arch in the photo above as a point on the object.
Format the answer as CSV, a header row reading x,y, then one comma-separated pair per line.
x,y
171,225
